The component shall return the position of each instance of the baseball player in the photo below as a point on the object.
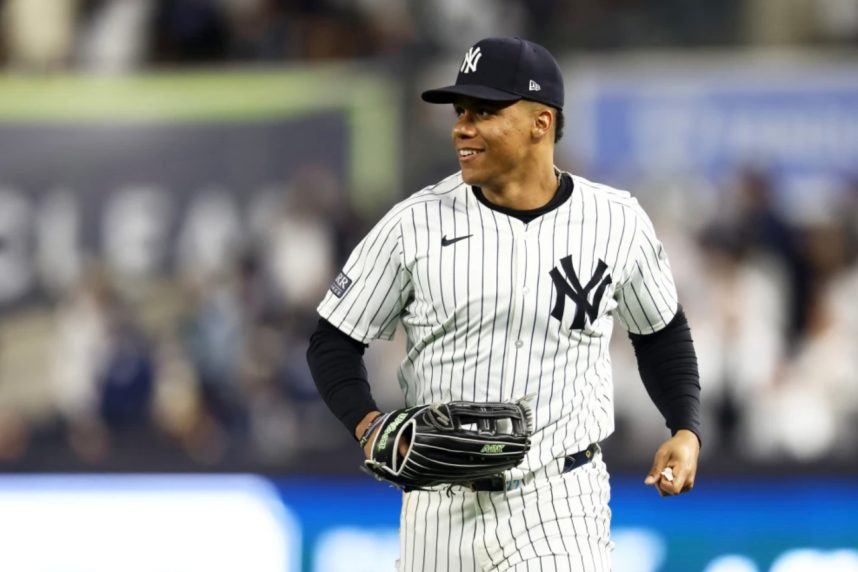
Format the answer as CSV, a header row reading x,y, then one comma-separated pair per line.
x,y
507,277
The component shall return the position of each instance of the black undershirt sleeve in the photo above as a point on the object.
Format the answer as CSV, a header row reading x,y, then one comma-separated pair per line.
x,y
336,364
668,367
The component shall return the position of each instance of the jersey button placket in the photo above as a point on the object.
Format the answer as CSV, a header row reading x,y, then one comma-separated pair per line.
x,y
518,243
519,343
519,249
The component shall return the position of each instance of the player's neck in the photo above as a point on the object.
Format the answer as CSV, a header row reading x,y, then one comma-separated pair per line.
x,y
533,190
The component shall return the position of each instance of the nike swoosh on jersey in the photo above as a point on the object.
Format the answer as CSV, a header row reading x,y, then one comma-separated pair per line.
x,y
445,242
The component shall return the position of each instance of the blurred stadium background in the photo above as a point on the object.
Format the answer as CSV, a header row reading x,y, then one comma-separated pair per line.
x,y
180,179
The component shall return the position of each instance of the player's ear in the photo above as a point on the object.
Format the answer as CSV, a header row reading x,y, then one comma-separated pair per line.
x,y
543,119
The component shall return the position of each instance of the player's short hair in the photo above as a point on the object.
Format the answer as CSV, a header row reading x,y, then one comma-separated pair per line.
x,y
559,122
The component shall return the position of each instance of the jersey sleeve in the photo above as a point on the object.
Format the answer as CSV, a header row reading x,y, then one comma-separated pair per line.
x,y
646,298
365,300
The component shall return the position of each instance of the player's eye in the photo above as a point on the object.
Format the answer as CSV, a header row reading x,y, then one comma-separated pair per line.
x,y
458,110
484,112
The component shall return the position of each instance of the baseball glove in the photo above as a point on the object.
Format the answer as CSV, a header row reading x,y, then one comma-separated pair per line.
x,y
450,443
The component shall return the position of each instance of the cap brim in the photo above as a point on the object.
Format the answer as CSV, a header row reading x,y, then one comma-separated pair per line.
x,y
450,93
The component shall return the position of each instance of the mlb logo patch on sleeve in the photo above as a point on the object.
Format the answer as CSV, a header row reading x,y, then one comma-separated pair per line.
x,y
340,285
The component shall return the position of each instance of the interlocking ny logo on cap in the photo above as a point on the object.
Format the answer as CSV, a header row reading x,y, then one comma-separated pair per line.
x,y
471,59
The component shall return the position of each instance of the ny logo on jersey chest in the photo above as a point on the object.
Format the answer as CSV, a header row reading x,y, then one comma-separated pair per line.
x,y
570,287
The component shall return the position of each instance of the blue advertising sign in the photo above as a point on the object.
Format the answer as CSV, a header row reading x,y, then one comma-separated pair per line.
x,y
708,120
734,524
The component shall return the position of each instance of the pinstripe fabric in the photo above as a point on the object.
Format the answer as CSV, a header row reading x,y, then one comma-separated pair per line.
x,y
555,522
495,309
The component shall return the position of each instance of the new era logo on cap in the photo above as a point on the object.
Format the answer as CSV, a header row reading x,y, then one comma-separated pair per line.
x,y
471,58
533,86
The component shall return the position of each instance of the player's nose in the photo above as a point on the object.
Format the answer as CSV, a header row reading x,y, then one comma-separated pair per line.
x,y
464,126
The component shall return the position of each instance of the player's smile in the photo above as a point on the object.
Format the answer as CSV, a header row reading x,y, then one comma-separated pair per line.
x,y
468,153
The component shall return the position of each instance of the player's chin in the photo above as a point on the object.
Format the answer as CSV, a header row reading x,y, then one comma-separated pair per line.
x,y
472,175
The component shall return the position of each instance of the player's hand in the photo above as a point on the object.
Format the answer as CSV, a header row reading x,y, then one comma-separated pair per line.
x,y
675,465
361,427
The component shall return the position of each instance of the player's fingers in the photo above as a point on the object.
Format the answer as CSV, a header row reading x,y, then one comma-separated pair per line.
x,y
403,447
665,487
678,484
666,480
404,443
684,479
658,465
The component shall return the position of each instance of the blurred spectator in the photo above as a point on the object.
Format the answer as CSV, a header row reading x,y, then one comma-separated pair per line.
x,y
838,20
260,29
801,21
81,347
325,30
740,331
14,436
811,411
104,370
300,244
763,229
126,382
393,22
115,35
780,22
210,239
39,34
215,339
190,31
450,24
847,213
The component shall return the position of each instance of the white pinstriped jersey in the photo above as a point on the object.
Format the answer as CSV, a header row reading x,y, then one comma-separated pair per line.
x,y
495,309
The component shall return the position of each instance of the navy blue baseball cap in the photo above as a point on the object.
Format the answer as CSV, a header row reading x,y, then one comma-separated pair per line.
x,y
505,69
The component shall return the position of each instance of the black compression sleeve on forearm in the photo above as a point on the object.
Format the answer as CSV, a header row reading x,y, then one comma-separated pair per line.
x,y
668,366
336,363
